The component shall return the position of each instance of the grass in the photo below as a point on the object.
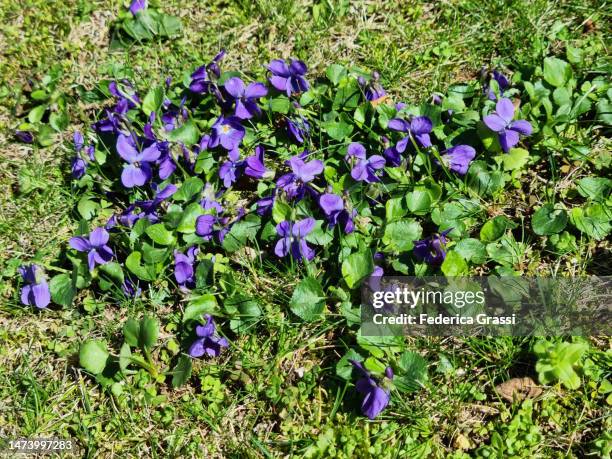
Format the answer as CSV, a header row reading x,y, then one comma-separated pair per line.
x,y
274,394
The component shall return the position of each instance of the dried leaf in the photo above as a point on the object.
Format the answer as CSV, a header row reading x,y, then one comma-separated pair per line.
x,y
518,389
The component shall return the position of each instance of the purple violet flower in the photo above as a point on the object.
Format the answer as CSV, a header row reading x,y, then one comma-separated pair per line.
x,y
209,200
91,152
24,136
393,157
165,162
265,205
228,132
147,129
227,222
201,83
458,158
160,196
203,144
298,130
288,78
189,156
79,166
255,166
373,280
35,292
213,66
174,116
294,183
208,226
127,218
95,247
183,267
436,99
293,239
376,398
208,342
508,131
205,226
245,97
432,249
138,5
333,207
231,170
138,170
148,208
130,289
111,123
502,83
418,127
128,98
78,141
372,89
365,169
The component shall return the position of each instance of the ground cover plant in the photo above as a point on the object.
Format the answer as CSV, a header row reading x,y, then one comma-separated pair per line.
x,y
196,291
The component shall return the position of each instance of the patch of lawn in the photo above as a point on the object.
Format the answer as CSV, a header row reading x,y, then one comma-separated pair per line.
x,y
275,392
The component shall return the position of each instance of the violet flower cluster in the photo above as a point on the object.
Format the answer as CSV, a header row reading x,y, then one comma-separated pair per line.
x,y
205,177
148,157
